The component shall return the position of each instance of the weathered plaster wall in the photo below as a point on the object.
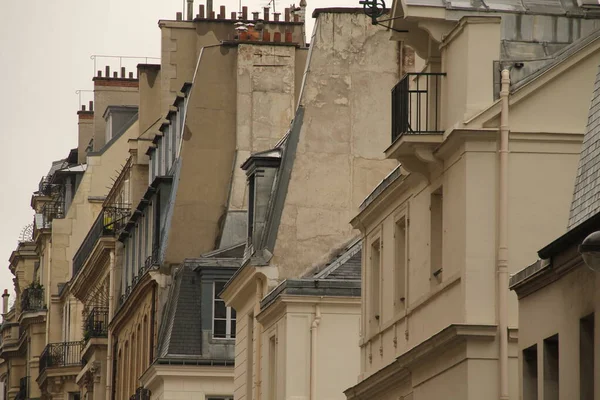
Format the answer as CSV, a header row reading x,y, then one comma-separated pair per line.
x,y
266,92
346,126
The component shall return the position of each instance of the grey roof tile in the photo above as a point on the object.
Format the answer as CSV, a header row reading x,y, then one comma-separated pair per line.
x,y
587,184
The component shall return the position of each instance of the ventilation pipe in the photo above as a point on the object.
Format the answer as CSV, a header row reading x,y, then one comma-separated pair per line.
x,y
190,10
5,297
313,352
502,255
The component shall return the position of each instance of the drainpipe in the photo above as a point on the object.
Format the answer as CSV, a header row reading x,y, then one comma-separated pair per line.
x,y
111,307
313,353
258,330
502,256
406,272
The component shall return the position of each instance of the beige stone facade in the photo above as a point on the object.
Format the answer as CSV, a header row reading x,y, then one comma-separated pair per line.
x,y
440,235
303,196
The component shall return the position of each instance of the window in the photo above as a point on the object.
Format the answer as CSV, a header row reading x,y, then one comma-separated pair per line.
x,y
375,258
437,232
223,316
551,368
251,201
586,358
108,130
400,236
124,278
530,373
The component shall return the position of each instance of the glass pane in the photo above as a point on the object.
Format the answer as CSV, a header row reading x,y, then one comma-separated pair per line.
x,y
220,327
218,288
220,309
232,330
232,313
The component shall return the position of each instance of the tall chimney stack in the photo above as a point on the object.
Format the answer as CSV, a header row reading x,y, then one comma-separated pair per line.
x,y
5,297
209,8
190,10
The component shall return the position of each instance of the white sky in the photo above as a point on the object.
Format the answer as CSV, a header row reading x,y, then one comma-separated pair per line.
x,y
45,49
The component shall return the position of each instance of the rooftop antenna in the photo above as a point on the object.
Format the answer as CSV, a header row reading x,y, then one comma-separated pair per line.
x,y
272,2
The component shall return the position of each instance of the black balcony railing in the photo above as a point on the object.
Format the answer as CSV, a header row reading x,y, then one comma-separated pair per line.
x,y
63,354
416,104
23,392
109,223
96,323
140,394
32,299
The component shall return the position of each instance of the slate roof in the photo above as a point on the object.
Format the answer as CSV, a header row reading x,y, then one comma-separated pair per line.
x,y
586,195
179,334
339,277
346,266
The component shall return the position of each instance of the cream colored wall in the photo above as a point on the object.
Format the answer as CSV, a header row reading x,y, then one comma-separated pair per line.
x,y
150,99
191,383
177,66
208,145
557,309
465,291
242,349
571,94
467,58
107,93
337,363
339,157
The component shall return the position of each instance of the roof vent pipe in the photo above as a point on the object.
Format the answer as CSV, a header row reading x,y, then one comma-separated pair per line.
x,y
190,10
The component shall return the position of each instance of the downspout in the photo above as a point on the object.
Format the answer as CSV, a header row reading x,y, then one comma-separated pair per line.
x,y
313,353
111,312
258,330
502,256
406,272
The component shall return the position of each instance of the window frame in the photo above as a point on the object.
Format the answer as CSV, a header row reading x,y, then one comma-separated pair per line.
x,y
230,333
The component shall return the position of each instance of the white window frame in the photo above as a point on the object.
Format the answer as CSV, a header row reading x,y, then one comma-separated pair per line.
x,y
228,318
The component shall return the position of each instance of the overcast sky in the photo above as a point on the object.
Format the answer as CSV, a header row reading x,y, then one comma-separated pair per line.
x,y
45,49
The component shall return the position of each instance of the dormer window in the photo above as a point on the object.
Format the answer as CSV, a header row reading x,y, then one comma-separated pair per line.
x,y
117,118
261,169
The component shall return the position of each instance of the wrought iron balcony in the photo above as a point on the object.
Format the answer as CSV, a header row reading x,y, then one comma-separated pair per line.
x,y
23,392
65,354
416,105
32,299
96,323
109,223
140,394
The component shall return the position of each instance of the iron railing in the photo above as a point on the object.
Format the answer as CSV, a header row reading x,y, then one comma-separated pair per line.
x,y
140,394
151,261
23,392
32,299
109,223
63,354
416,104
96,323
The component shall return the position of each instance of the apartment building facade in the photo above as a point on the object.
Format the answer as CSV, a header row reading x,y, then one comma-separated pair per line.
x,y
558,334
301,193
478,132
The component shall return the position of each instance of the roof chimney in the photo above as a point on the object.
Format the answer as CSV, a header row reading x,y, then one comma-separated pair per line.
x,y
190,10
5,297
209,8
